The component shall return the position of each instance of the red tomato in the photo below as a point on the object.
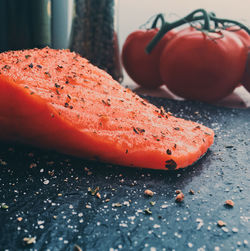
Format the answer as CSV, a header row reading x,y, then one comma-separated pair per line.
x,y
242,34
245,37
143,68
200,66
246,77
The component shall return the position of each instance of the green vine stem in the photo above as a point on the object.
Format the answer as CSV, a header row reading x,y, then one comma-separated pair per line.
x,y
223,21
191,18
169,26
158,17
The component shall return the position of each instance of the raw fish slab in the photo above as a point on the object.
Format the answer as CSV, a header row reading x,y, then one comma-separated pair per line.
x,y
31,192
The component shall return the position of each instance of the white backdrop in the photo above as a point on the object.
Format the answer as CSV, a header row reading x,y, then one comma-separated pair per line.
x,y
133,13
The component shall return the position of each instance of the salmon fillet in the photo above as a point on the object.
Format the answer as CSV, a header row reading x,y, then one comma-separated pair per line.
x,y
55,99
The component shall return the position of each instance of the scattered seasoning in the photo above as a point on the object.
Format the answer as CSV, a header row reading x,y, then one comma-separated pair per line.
x,y
179,197
168,152
175,146
48,74
39,66
116,204
177,191
107,102
27,56
7,67
66,105
147,211
162,111
143,102
30,65
170,164
93,191
68,96
29,240
126,151
4,206
98,195
229,203
57,92
229,147
59,195
138,130
19,219
77,248
197,127
177,128
107,200
152,203
191,191
148,192
57,85
221,223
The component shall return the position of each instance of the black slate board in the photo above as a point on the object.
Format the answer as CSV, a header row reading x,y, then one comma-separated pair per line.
x,y
38,185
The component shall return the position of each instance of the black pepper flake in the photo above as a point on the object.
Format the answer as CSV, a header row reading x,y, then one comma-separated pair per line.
x,y
7,67
170,164
57,85
168,152
68,96
27,56
126,151
31,93
177,128
59,66
175,146
66,82
107,102
58,93
39,66
143,102
138,130
162,111
48,74
208,134
71,107
66,104
30,65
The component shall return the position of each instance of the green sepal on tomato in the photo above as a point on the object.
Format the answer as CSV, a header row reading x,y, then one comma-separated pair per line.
x,y
144,68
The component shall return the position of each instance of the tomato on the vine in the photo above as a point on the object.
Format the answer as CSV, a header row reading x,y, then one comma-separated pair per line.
x,y
244,36
241,33
204,66
143,68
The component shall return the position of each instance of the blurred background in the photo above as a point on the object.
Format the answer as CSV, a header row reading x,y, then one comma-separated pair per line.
x,y
97,29
134,13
